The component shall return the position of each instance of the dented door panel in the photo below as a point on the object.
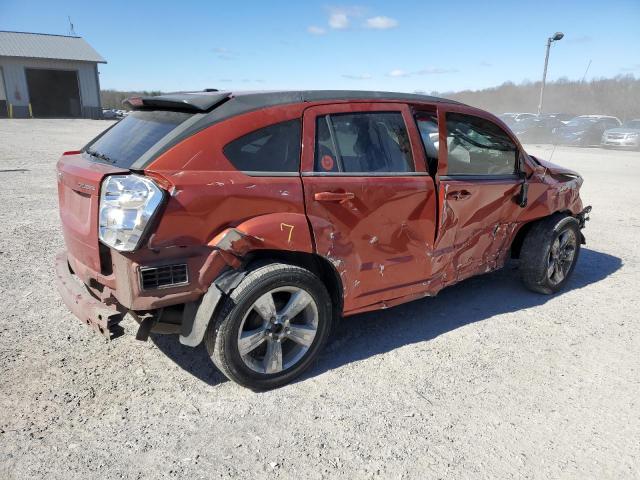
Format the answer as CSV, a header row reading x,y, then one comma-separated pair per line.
x,y
381,241
476,223
377,230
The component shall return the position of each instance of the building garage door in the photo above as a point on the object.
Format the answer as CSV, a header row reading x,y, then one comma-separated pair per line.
x,y
53,93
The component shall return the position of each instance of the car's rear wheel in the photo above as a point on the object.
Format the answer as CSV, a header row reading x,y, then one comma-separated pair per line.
x,y
272,326
549,253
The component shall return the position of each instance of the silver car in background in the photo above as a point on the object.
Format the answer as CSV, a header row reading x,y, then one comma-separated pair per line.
x,y
625,136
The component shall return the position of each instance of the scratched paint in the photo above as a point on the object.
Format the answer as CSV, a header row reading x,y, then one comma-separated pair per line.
x,y
398,238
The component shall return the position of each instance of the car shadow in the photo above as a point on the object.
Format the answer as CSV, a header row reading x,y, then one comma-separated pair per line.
x,y
365,335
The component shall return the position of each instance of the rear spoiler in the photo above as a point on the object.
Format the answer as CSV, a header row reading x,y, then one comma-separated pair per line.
x,y
187,102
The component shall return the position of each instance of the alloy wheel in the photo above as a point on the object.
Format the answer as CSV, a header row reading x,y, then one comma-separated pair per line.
x,y
278,330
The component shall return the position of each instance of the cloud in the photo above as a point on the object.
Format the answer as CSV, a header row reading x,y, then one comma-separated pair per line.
x,y
364,76
398,73
486,64
313,30
425,71
381,23
338,20
436,71
632,68
224,53
580,39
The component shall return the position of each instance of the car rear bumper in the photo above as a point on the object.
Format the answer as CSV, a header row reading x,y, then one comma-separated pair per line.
x,y
623,143
101,301
103,318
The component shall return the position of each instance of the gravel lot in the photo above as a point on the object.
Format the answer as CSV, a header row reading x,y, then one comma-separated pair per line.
x,y
486,380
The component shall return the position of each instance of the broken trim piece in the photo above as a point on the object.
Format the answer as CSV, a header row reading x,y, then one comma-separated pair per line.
x,y
197,315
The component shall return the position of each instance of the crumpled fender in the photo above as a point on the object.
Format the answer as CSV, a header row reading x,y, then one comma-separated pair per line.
x,y
274,231
556,169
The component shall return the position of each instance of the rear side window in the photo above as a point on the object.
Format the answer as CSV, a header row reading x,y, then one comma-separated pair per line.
x,y
134,135
275,148
363,143
477,146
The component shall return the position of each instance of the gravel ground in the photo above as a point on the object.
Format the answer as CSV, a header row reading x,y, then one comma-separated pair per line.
x,y
486,380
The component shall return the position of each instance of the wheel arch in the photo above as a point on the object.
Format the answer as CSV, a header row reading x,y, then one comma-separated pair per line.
x,y
524,228
313,262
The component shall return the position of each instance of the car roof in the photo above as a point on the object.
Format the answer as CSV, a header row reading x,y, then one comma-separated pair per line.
x,y
214,107
206,101
597,116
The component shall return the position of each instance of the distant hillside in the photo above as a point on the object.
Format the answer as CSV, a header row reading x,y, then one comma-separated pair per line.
x,y
619,96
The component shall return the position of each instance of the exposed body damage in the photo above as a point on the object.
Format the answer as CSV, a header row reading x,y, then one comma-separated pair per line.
x,y
374,240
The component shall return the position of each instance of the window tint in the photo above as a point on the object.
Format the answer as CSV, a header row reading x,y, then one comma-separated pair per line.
x,y
478,147
363,143
134,135
428,127
275,148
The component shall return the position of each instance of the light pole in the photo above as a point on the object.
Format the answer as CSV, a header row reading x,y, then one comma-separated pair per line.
x,y
557,36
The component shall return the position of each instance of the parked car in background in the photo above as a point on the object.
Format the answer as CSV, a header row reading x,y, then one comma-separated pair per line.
x,y
203,215
585,130
563,117
626,136
109,114
512,118
537,129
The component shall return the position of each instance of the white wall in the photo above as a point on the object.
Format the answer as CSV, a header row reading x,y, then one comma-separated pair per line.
x,y
16,80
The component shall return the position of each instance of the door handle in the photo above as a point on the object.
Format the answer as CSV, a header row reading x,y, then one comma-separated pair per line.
x,y
333,196
459,194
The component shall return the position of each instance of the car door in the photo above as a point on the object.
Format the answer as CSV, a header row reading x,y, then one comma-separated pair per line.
x,y
370,202
478,182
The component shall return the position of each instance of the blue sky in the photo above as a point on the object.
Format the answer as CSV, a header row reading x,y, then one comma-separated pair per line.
x,y
401,45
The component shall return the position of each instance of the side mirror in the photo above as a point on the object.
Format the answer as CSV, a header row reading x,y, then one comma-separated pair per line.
x,y
522,199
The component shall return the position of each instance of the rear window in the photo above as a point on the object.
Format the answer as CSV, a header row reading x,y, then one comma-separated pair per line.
x,y
134,135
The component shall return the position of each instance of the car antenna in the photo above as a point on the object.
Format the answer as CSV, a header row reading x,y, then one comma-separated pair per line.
x,y
550,157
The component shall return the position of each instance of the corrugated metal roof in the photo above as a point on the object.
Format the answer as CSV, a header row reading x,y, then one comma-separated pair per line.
x,y
41,45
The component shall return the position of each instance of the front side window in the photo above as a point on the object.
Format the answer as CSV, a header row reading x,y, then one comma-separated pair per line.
x,y
376,142
275,148
477,146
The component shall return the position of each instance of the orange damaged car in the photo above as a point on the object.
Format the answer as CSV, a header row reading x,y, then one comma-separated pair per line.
x,y
253,222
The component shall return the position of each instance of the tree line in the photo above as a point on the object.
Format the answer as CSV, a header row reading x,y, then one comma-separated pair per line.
x,y
618,96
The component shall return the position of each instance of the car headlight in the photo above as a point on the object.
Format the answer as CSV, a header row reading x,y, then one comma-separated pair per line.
x,y
633,135
127,204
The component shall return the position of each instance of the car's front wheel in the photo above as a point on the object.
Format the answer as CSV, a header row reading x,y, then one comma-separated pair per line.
x,y
549,253
272,326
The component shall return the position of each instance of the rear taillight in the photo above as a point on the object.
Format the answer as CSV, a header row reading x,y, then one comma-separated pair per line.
x,y
127,205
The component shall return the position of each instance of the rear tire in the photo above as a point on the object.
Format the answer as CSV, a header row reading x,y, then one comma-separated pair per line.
x,y
271,328
549,253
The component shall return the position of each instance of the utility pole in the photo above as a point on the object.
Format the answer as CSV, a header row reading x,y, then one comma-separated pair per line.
x,y
557,36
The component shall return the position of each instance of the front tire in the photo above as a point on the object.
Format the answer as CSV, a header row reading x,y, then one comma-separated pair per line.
x,y
549,253
272,326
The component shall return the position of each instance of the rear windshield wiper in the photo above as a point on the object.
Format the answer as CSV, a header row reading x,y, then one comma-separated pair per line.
x,y
101,156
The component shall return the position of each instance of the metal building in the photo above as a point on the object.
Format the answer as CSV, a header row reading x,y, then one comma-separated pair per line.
x,y
50,76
